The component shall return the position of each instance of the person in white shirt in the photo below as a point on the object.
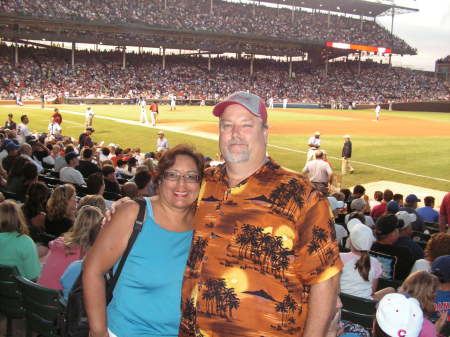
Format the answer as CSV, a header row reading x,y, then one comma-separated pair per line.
x,y
143,108
26,152
377,112
271,103
314,145
89,116
173,100
161,143
54,128
361,271
22,129
285,102
69,174
320,173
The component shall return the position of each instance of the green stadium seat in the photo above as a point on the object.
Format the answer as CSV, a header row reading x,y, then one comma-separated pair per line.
x,y
358,310
11,305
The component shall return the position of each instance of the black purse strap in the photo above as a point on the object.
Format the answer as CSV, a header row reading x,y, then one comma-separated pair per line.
x,y
137,227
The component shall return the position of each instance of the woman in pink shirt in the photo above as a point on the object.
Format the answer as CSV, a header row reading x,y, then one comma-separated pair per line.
x,y
71,246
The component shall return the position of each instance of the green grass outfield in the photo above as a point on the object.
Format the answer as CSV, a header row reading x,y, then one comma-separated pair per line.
x,y
427,156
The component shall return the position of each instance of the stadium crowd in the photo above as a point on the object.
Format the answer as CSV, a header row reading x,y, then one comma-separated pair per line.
x,y
226,17
59,188
100,74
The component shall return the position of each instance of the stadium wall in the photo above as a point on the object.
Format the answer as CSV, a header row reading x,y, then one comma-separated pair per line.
x,y
442,106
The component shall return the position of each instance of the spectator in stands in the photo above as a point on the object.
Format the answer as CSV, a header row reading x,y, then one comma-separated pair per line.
x,y
319,172
162,144
423,286
61,209
93,200
34,210
85,138
130,190
104,154
121,169
405,235
10,124
16,247
180,171
361,272
95,184
26,152
392,207
346,155
109,176
70,247
86,166
359,192
441,268
358,205
70,174
92,218
377,198
427,213
131,167
398,198
444,213
387,234
22,129
23,173
398,315
437,245
380,209
410,206
60,162
143,180
13,151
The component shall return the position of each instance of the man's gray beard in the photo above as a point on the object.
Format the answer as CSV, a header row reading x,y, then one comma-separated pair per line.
x,y
241,157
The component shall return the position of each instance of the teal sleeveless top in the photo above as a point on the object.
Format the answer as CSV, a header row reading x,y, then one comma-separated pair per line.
x,y
147,296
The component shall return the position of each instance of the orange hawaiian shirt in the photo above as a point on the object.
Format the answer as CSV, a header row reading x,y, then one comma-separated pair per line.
x,y
257,249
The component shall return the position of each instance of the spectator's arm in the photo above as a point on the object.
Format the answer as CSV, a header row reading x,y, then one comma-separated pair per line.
x,y
322,304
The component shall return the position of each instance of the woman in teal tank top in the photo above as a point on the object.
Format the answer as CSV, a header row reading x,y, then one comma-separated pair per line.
x,y
146,299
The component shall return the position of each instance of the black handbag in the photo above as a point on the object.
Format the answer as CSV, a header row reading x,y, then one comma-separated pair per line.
x,y
74,321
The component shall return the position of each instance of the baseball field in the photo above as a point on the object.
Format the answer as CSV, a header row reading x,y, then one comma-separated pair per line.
x,y
405,147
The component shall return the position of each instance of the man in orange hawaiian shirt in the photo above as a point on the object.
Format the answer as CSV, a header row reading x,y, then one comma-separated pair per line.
x,y
264,259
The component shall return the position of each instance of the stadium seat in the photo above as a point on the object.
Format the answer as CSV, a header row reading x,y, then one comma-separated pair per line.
x,y
419,236
388,263
111,196
11,305
42,306
432,227
358,310
385,283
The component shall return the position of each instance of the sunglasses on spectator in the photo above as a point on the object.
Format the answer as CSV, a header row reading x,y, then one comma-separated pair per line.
x,y
175,176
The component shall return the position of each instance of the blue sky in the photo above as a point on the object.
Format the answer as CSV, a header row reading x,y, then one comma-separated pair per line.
x,y
427,30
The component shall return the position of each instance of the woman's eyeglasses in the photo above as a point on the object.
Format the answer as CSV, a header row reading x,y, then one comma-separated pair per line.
x,y
175,176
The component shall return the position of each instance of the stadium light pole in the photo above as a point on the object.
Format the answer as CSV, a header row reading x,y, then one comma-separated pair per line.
x,y
209,62
124,57
16,55
164,58
211,8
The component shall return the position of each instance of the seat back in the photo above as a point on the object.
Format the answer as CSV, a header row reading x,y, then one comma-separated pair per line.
x,y
42,307
432,227
358,310
10,296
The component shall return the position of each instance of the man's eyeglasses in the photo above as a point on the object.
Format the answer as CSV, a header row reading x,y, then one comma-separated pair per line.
x,y
175,176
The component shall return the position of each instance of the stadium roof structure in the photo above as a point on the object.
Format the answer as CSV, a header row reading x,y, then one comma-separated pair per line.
x,y
355,7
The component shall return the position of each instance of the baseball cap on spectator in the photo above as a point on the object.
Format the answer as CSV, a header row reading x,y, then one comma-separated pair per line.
x,y
441,268
392,207
357,204
406,218
361,236
160,133
386,224
317,133
10,145
90,129
71,155
412,198
398,315
253,103
335,204
346,136
30,140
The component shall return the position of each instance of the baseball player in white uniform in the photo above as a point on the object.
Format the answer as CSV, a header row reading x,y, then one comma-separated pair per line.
x,y
377,112
285,101
271,103
173,100
143,108
89,116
